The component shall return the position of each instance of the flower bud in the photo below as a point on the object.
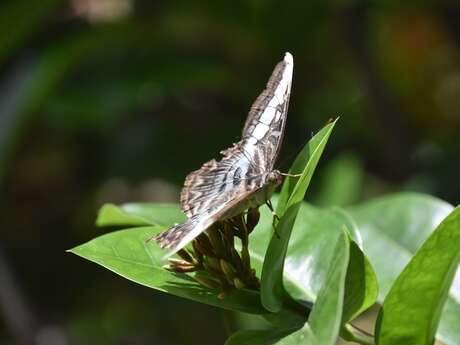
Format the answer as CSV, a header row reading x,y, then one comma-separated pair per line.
x,y
212,265
245,258
215,238
180,266
207,282
228,234
238,283
184,254
252,219
236,260
204,245
228,269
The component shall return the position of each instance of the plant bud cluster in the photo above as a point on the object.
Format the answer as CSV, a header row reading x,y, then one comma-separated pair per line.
x,y
215,259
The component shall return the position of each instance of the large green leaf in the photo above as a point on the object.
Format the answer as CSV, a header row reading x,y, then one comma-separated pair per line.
x,y
126,253
392,228
324,322
412,309
310,248
292,194
325,319
136,214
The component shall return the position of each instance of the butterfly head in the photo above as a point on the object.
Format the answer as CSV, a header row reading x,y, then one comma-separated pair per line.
x,y
274,178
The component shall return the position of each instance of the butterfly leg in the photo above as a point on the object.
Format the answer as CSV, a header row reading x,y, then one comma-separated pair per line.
x,y
276,218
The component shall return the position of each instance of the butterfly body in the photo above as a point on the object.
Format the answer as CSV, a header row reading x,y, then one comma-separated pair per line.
x,y
244,178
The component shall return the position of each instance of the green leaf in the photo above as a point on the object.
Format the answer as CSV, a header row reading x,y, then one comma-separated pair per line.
x,y
272,290
126,253
361,288
294,189
137,214
412,309
292,194
325,318
323,325
394,227
310,248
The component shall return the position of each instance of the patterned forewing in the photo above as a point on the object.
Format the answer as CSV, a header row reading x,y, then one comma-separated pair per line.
x,y
264,127
246,161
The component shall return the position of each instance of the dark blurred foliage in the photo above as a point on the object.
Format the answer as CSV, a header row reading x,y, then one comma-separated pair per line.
x,y
117,100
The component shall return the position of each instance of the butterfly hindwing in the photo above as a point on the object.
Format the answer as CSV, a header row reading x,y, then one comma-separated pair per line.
x,y
180,235
216,182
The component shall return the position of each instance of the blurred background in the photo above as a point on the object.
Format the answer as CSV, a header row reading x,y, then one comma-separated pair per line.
x,y
117,100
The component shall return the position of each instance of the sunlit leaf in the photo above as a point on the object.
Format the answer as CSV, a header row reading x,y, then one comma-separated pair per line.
x,y
361,288
291,196
412,309
126,253
393,228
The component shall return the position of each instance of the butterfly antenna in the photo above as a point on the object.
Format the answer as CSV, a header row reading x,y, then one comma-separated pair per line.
x,y
291,175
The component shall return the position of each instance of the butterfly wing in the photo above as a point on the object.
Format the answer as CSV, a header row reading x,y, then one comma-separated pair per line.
x,y
251,157
217,182
264,127
180,235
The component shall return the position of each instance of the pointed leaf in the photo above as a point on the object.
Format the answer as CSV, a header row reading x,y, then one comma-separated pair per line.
x,y
325,318
294,189
272,289
412,309
292,194
361,288
394,227
126,253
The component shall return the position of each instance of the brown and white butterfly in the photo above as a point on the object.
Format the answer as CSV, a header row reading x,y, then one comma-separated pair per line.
x,y
245,177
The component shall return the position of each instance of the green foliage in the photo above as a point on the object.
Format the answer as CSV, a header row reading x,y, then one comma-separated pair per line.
x,y
292,194
127,253
320,257
324,322
393,228
412,309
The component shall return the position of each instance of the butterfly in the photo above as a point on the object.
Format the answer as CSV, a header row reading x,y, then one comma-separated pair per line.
x,y
244,178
